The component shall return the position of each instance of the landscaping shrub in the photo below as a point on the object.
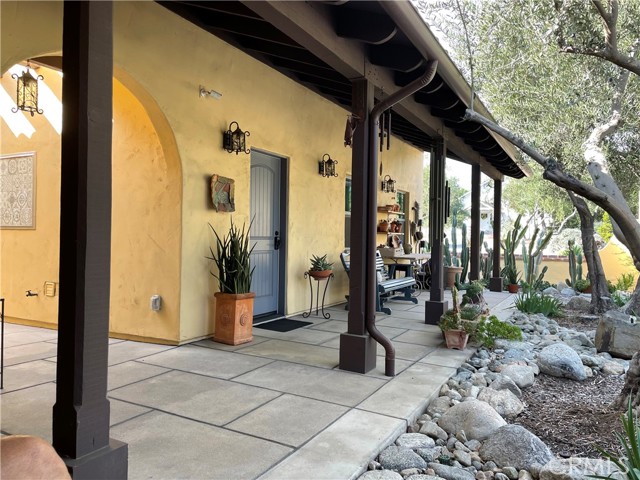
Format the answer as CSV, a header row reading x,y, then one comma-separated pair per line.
x,y
624,282
489,329
619,298
532,302
470,311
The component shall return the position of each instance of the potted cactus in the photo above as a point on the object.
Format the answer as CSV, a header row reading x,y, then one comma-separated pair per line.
x,y
452,326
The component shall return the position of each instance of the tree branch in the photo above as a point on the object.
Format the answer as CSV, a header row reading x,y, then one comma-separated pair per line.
x,y
552,172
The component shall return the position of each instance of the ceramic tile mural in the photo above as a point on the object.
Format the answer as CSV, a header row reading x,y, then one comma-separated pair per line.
x,y
17,190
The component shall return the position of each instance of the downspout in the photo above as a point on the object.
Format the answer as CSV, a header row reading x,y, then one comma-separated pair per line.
x,y
374,123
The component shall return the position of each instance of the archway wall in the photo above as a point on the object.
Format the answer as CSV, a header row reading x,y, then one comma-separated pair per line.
x,y
167,58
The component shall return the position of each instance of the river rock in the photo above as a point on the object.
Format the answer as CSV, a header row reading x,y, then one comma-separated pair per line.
x,y
577,468
522,375
380,475
400,458
612,368
439,405
560,360
478,419
617,334
580,303
451,473
503,401
415,440
502,382
515,446
434,431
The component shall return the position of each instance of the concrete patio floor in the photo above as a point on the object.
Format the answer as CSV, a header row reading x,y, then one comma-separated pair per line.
x,y
277,408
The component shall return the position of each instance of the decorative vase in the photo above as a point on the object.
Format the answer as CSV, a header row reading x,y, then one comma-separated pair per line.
x,y
383,226
234,318
456,339
450,275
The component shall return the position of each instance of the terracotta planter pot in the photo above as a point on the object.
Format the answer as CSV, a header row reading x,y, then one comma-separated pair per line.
x,y
513,287
319,273
456,339
450,276
589,289
234,318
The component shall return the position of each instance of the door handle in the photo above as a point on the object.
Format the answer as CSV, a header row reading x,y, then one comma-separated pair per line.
x,y
276,241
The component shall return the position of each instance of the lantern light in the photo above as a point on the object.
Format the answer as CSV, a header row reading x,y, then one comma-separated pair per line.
x,y
27,92
388,184
327,166
235,140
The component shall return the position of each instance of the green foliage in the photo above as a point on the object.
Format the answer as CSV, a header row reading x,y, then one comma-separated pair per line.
x,y
470,311
532,257
510,274
232,259
509,245
486,263
582,284
489,329
605,229
535,302
450,320
319,264
625,282
628,463
619,298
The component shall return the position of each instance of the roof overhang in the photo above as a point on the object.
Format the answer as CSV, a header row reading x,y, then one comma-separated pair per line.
x,y
326,45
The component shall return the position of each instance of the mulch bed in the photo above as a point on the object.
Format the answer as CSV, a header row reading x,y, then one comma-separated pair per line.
x,y
571,417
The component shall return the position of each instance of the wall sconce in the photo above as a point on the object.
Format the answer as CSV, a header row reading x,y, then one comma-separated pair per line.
x,y
327,168
235,140
27,92
388,184
209,93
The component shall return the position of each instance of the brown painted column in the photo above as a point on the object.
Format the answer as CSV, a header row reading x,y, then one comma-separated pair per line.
x,y
436,305
81,411
357,347
495,284
474,247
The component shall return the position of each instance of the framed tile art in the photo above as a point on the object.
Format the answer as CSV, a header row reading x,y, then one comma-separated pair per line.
x,y
18,190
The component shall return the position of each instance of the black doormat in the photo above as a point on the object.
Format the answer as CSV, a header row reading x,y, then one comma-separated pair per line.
x,y
282,325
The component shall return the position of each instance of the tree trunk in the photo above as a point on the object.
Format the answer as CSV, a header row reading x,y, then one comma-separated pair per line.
x,y
600,299
633,305
631,385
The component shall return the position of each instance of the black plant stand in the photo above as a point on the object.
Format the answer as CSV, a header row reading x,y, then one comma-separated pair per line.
x,y
326,286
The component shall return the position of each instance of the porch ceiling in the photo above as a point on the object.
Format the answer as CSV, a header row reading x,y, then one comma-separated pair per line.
x,y
323,45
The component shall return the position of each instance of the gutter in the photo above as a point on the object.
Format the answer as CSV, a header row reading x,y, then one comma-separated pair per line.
x,y
409,21
371,280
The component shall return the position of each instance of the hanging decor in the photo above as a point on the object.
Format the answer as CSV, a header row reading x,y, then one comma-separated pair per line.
x,y
223,193
27,92
385,129
388,184
327,166
235,140
352,123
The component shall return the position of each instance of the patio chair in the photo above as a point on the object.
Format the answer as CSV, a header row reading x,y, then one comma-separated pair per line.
x,y
387,288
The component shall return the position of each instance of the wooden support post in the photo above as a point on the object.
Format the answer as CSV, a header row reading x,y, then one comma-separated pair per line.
x,y
357,347
495,284
81,411
436,305
474,248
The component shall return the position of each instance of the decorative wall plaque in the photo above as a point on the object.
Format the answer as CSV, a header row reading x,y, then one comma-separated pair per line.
x,y
18,190
223,193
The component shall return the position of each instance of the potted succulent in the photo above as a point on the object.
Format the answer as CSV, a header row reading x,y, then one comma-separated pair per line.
x,y
583,285
320,267
234,301
452,326
511,276
474,293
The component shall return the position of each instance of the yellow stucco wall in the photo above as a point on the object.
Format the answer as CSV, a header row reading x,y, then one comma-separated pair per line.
x,y
163,59
145,226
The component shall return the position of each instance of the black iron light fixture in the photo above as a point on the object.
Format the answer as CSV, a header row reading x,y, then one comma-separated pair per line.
x,y
388,184
235,140
327,166
27,92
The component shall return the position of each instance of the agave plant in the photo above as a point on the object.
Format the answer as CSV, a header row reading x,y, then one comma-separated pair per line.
x,y
232,259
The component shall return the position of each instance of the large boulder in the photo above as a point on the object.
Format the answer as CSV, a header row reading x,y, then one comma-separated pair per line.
x,y
515,446
560,360
477,419
503,401
579,303
577,468
618,334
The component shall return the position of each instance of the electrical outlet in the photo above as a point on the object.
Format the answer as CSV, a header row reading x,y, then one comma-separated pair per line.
x,y
156,303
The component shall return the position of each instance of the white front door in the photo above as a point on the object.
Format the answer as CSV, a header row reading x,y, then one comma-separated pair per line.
x,y
266,231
